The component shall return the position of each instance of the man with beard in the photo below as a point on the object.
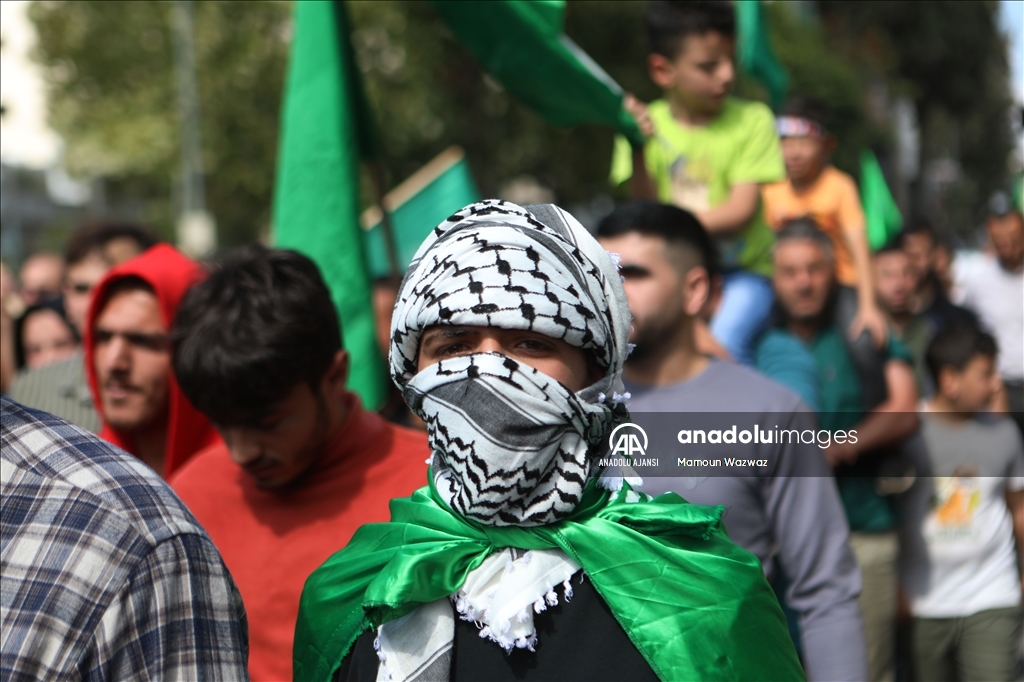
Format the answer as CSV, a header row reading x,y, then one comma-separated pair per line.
x,y
258,348
508,340
128,360
929,298
788,513
807,293
894,288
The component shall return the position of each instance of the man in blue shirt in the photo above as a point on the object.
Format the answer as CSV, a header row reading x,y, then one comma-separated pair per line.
x,y
808,295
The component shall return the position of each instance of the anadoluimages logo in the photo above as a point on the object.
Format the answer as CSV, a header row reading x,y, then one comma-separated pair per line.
x,y
627,442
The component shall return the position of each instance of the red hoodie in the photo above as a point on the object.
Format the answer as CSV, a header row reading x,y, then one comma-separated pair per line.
x,y
170,274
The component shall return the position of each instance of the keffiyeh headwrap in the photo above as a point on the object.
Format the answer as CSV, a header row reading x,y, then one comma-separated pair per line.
x,y
512,446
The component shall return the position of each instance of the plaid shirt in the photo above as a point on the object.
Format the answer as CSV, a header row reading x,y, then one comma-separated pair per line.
x,y
104,575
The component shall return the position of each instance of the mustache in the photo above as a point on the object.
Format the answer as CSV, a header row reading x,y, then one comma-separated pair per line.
x,y
115,380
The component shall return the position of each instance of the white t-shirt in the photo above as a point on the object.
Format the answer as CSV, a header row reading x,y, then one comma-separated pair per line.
x,y
958,545
997,297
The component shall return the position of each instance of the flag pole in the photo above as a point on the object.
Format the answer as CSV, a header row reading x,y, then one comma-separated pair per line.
x,y
376,169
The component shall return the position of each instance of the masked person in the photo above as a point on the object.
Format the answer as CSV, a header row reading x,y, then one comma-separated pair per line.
x,y
522,558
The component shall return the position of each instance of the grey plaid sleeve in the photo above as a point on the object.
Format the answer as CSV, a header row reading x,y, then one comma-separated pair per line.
x,y
179,617
104,575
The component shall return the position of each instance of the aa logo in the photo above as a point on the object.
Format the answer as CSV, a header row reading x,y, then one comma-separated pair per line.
x,y
625,440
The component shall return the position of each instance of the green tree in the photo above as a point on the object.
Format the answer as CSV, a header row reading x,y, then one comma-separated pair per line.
x,y
113,96
113,99
951,60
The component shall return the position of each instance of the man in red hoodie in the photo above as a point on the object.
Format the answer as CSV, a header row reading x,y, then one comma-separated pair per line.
x,y
258,348
128,360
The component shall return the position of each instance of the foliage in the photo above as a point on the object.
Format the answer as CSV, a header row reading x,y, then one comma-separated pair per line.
x,y
113,98
950,59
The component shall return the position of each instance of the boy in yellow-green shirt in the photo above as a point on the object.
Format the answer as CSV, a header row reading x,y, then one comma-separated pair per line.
x,y
709,153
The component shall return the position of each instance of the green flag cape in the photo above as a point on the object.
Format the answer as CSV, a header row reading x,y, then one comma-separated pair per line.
x,y
881,213
522,45
756,56
325,130
695,605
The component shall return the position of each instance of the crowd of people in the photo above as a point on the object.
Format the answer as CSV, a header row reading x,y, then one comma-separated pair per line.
x,y
192,491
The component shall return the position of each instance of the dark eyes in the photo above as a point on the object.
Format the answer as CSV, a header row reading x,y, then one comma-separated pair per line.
x,y
534,345
526,345
451,349
634,272
269,424
151,342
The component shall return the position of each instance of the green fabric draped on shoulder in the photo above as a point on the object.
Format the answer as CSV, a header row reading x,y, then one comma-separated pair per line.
x,y
695,605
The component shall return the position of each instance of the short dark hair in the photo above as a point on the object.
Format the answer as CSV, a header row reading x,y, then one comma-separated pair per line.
x,y
921,226
673,224
122,284
808,108
955,346
96,236
894,245
56,305
261,323
807,229
670,22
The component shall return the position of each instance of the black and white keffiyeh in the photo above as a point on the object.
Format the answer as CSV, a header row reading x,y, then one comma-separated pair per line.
x,y
511,445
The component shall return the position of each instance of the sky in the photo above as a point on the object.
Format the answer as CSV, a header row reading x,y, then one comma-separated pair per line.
x,y
25,139
1011,20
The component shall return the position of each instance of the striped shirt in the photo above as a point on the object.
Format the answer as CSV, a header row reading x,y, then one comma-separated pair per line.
x,y
59,389
104,575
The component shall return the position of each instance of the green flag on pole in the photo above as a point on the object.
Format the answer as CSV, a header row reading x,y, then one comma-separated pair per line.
x,y
521,44
883,216
416,207
325,130
754,50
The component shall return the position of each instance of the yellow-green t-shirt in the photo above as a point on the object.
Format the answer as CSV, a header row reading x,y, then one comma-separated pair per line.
x,y
695,168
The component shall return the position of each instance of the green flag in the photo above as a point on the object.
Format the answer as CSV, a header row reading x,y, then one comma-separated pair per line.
x,y
695,605
325,129
754,50
521,44
416,207
882,214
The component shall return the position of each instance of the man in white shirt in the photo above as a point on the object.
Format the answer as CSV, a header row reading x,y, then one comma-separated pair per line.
x,y
994,290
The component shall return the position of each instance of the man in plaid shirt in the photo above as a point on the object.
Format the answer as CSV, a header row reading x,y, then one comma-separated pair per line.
x,y
104,575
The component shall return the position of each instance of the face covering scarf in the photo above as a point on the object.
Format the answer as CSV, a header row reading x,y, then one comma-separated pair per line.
x,y
511,475
512,446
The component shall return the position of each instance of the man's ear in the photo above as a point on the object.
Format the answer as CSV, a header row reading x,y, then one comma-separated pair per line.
x,y
661,70
696,289
949,383
336,378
